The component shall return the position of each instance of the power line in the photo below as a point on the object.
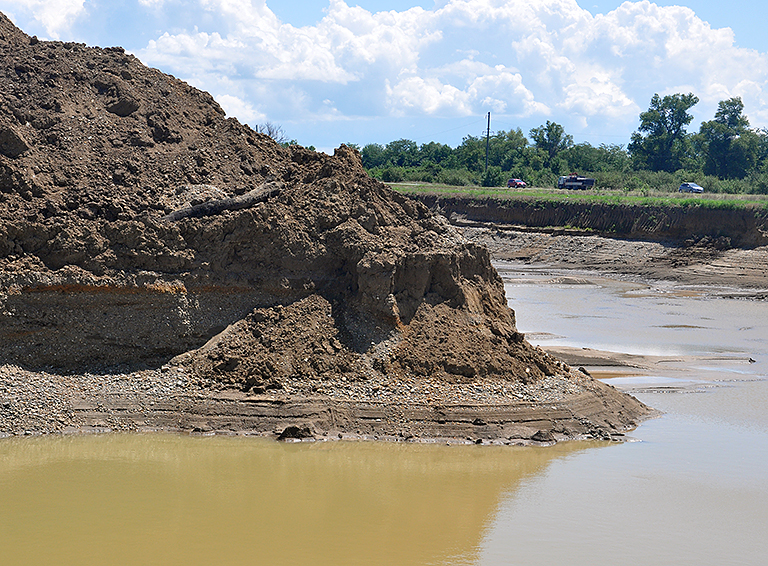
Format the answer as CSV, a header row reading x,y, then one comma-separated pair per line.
x,y
450,129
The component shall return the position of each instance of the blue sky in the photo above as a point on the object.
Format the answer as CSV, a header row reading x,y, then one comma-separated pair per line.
x,y
363,71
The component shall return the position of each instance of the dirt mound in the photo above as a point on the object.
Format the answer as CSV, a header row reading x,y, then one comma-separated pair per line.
x,y
140,225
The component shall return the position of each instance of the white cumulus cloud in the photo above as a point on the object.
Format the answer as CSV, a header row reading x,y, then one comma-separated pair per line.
x,y
56,16
245,111
527,60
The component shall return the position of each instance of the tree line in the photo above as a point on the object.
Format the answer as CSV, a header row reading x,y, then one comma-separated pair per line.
x,y
725,155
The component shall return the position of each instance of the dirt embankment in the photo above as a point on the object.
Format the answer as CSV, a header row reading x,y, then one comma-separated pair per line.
x,y
179,259
701,263
726,228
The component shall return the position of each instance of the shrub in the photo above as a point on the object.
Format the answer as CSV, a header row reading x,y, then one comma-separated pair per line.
x,y
493,177
392,174
456,177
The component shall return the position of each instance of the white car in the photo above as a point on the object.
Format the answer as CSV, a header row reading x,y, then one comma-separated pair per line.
x,y
690,188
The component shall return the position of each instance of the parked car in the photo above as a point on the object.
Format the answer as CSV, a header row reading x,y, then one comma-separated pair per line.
x,y
574,181
516,184
690,188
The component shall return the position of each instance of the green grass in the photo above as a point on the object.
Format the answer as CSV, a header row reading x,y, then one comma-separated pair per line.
x,y
644,197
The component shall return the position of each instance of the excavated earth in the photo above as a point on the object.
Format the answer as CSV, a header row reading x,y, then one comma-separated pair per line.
x,y
163,267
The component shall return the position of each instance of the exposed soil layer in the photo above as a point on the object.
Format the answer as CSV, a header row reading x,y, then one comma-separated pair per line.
x,y
141,229
685,225
699,263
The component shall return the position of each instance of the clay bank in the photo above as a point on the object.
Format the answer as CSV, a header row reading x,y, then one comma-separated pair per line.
x,y
165,267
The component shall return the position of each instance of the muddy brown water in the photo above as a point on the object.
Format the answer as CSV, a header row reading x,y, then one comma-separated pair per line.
x,y
689,489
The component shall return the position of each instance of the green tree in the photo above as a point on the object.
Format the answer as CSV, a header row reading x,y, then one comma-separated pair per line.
x,y
434,152
373,155
661,143
730,148
471,154
551,139
584,157
507,150
402,153
493,177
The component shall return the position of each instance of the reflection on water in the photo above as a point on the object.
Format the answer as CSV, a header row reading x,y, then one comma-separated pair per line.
x,y
166,499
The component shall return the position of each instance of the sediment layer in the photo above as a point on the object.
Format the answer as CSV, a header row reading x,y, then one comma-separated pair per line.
x,y
724,227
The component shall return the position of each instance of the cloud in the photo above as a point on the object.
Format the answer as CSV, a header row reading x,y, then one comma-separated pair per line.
x,y
528,60
56,16
244,111
254,45
517,57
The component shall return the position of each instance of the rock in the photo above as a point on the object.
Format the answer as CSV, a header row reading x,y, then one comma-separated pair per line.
x,y
543,436
124,106
295,432
12,143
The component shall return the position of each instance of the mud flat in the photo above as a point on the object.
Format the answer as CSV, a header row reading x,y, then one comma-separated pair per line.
x,y
702,262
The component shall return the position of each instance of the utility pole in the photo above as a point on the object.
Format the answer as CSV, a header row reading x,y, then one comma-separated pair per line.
x,y
487,140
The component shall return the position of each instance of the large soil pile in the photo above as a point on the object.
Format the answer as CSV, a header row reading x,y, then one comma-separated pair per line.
x,y
140,225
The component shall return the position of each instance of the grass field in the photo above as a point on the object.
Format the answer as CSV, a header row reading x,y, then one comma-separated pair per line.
x,y
643,197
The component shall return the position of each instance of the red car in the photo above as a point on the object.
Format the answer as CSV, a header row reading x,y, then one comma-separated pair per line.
x,y
516,184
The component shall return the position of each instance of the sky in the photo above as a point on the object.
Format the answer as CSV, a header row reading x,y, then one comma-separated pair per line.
x,y
373,71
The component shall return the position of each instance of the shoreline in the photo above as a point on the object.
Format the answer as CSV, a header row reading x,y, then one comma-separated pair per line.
x,y
702,264
554,409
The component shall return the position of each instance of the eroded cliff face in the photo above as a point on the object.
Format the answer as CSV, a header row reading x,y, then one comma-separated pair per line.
x,y
140,224
688,225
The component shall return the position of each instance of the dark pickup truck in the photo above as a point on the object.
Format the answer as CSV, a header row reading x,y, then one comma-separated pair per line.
x,y
574,181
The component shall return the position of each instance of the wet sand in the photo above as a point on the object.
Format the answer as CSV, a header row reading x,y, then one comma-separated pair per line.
x,y
745,269
659,373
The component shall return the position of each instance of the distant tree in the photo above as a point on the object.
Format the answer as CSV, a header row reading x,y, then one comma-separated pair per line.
x,y
274,131
434,152
471,154
536,158
295,142
614,157
661,143
373,155
402,153
585,157
582,157
493,177
762,146
551,139
730,148
507,150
